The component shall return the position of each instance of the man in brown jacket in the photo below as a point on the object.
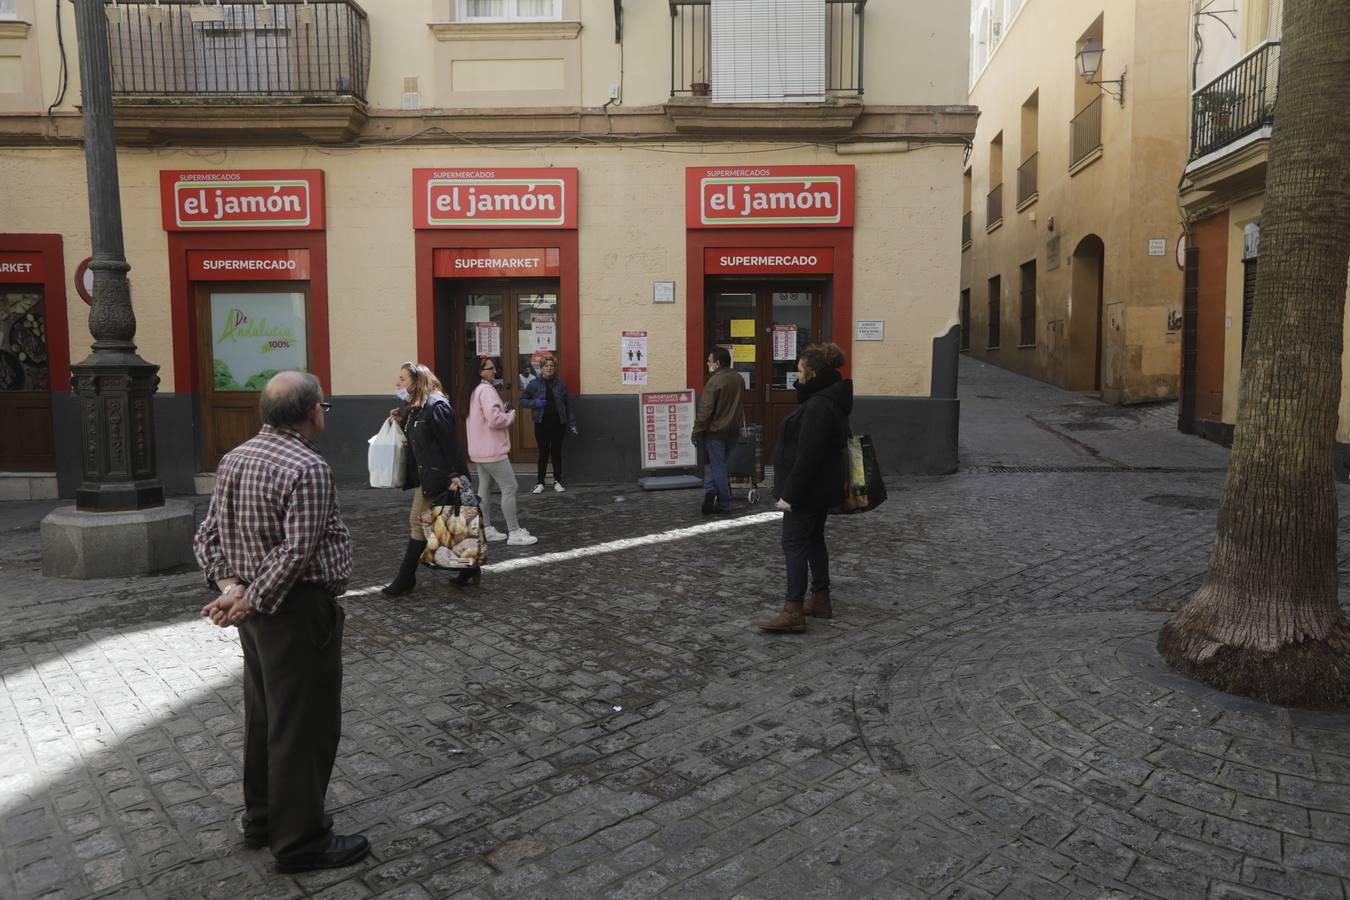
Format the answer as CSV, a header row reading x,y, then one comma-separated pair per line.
x,y
718,422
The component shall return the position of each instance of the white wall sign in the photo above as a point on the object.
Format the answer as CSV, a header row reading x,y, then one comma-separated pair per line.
x,y
633,357
663,292
489,336
870,330
1157,247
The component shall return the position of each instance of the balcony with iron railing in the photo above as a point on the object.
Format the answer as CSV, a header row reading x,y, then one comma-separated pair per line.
x,y
993,208
1027,185
813,78
965,230
1085,133
295,67
1239,102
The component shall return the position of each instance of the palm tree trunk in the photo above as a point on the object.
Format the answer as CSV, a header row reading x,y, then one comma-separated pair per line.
x,y
1267,622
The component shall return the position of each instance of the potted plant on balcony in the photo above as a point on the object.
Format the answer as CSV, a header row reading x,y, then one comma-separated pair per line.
x,y
1218,106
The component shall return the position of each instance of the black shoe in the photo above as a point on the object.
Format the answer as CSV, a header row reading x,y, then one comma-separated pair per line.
x,y
709,502
343,850
406,578
256,841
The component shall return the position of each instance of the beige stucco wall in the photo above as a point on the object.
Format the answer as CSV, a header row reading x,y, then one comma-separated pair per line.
x,y
1125,197
632,232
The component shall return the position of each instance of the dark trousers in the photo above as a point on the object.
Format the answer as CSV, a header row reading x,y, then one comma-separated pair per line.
x,y
549,436
803,548
717,480
292,720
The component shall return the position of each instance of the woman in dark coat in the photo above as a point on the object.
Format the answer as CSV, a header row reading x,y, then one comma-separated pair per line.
x,y
808,480
437,465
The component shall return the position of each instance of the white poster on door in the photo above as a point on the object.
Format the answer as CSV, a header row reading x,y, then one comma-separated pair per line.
x,y
489,338
633,357
544,331
784,343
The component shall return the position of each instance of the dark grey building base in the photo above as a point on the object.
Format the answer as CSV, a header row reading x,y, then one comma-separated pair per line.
x,y
176,442
79,544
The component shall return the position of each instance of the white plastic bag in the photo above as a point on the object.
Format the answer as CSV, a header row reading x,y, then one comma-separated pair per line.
x,y
387,457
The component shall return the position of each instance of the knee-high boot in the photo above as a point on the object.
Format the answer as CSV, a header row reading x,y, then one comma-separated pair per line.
x,y
407,571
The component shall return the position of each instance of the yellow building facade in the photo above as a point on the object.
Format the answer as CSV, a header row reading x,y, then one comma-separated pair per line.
x,y
345,187
1070,270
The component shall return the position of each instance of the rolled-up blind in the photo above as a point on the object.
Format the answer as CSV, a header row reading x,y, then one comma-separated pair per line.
x,y
768,50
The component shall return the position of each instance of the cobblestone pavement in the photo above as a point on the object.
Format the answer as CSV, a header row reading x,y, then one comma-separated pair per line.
x,y
985,716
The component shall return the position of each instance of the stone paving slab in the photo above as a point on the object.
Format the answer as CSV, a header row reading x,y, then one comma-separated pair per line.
x,y
985,717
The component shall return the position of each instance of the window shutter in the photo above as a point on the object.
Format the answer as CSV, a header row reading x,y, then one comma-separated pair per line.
x,y
768,50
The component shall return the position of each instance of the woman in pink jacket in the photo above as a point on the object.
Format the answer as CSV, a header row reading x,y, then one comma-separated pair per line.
x,y
488,423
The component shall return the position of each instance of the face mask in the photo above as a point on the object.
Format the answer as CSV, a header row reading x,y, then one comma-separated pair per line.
x,y
402,394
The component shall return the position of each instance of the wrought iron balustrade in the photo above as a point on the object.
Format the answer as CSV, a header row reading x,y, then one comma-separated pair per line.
x,y
965,229
1085,132
994,207
315,51
693,32
1027,185
1238,102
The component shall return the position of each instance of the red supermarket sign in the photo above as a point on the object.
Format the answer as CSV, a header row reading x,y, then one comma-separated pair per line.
x,y
472,263
248,265
769,197
247,199
494,198
22,268
759,261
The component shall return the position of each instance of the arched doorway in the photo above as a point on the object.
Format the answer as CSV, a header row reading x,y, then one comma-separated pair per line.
x,y
1085,317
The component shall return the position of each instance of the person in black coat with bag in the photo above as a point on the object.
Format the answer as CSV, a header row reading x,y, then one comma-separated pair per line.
x,y
808,479
437,465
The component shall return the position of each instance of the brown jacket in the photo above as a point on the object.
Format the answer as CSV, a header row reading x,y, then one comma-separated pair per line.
x,y
720,408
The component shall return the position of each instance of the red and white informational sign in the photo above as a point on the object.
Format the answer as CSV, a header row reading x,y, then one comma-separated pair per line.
x,y
633,357
543,333
494,198
667,426
769,197
248,265
768,261
21,268
242,199
496,263
489,338
784,343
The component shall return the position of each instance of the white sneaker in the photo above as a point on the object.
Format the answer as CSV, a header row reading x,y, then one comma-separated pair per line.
x,y
493,534
557,486
538,488
521,538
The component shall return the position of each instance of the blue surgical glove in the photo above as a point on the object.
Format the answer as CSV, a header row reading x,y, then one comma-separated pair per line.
x,y
540,403
694,441
572,428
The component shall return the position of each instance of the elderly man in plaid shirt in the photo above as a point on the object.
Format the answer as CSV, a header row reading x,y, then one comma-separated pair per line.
x,y
275,547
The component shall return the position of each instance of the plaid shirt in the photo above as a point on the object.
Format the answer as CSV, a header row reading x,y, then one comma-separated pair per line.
x,y
274,520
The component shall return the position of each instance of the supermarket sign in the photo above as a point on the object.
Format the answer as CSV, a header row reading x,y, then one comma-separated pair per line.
x,y
769,197
242,199
494,198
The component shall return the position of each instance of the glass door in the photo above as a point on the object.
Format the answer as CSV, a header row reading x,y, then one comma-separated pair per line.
x,y
246,334
25,383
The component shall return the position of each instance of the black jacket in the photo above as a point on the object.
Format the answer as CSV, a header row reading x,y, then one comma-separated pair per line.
x,y
808,461
437,454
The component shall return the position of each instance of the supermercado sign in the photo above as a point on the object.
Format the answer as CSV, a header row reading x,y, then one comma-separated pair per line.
x,y
761,261
494,198
769,197
247,199
248,265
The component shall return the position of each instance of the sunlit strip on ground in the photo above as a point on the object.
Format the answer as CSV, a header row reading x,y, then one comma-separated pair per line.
x,y
646,540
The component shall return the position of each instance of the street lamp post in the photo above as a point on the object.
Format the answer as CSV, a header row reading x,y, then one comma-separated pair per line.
x,y
114,385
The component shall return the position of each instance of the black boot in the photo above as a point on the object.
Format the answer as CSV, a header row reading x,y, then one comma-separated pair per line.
x,y
407,571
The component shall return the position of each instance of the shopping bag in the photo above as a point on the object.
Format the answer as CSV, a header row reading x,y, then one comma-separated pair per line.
x,y
387,456
454,533
863,488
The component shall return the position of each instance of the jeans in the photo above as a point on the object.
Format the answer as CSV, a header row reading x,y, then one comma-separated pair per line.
x,y
550,436
717,480
803,548
502,473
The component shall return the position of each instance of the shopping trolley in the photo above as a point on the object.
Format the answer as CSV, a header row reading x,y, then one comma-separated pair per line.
x,y
745,465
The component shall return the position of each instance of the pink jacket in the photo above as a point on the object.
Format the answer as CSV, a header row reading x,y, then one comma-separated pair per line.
x,y
488,425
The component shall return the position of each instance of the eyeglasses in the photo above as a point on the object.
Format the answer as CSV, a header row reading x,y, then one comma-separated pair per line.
x,y
325,405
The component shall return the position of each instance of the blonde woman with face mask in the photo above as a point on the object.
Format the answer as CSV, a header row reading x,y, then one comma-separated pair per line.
x,y
437,465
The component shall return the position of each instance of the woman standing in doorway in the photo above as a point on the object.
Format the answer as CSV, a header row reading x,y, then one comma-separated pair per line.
x,y
551,409
436,468
808,480
488,422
